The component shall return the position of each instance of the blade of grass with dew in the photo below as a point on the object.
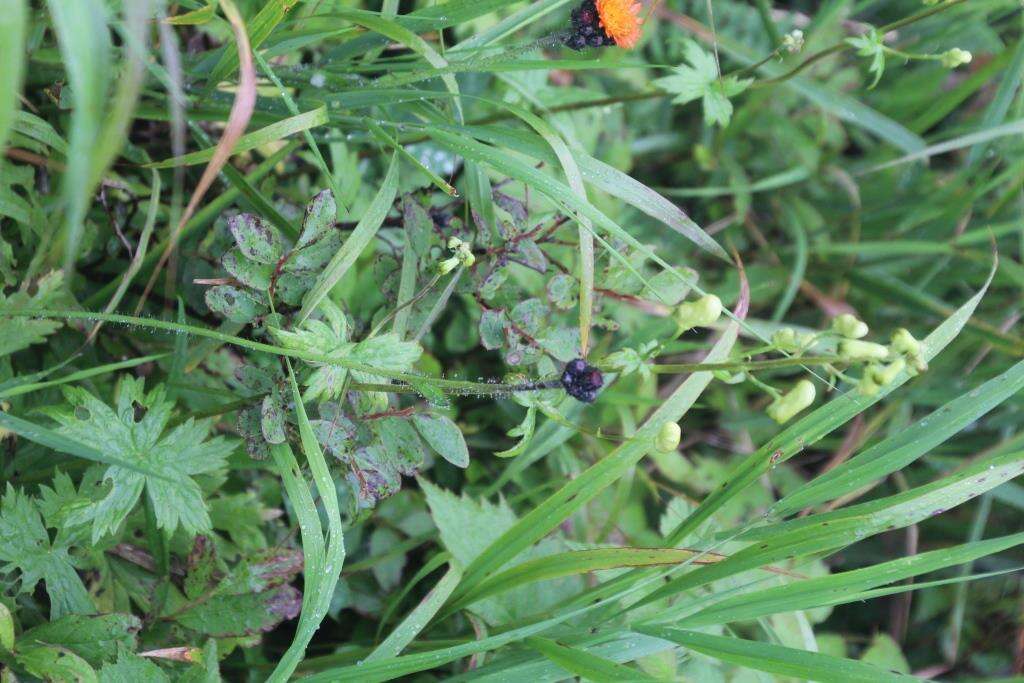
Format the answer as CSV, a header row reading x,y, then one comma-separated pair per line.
x,y
13,27
577,492
259,28
29,387
438,560
776,659
383,137
323,569
419,617
792,221
960,142
830,531
818,423
238,120
956,615
814,592
258,138
587,666
576,562
907,445
84,40
357,241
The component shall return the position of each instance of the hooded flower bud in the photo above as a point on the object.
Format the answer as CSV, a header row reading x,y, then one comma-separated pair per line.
x,y
789,340
904,343
668,437
794,41
849,326
700,313
792,402
852,350
448,265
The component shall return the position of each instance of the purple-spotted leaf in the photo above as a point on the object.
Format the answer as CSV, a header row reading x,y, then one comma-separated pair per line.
x,y
258,239
320,215
492,329
235,304
248,272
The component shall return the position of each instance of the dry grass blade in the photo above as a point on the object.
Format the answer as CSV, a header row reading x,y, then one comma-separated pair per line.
x,y
238,120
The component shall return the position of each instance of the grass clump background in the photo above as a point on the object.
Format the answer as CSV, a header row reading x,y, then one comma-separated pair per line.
x,y
511,341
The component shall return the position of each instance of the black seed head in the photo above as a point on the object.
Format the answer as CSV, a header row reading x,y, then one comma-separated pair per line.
x,y
582,381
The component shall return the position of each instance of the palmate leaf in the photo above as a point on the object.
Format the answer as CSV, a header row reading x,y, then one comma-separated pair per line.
x,y
25,547
701,80
134,431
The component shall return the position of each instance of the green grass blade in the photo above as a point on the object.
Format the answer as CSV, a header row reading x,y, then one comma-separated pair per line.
x,y
775,659
587,666
258,138
28,387
419,617
999,107
845,586
323,564
259,28
13,27
84,39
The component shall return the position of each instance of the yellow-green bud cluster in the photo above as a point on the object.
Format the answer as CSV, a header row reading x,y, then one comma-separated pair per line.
x,y
463,256
792,402
700,313
877,376
789,340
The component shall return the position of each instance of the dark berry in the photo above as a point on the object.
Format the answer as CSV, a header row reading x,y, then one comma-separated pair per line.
x,y
586,28
582,381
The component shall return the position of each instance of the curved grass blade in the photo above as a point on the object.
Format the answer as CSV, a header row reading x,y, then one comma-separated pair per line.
x,y
587,666
775,659
19,389
84,39
419,617
300,123
842,587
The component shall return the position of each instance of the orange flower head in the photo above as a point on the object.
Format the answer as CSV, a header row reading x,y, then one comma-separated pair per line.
x,y
621,21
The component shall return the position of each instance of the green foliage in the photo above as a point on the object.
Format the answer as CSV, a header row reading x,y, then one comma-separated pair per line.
x,y
467,358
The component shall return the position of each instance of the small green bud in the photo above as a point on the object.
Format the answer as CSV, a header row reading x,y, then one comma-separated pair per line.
x,y
852,349
904,343
700,313
867,384
668,437
467,259
849,326
792,402
448,265
789,340
955,57
454,243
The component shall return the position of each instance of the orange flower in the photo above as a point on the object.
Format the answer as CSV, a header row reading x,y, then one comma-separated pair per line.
x,y
620,20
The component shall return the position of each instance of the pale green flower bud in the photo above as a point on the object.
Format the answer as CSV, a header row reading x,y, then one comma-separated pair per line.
x,y
852,349
849,326
867,384
904,343
955,57
792,402
454,243
668,437
789,340
700,313
448,265
467,259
